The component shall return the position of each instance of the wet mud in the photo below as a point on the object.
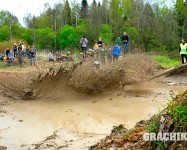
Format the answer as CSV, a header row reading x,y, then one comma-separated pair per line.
x,y
56,116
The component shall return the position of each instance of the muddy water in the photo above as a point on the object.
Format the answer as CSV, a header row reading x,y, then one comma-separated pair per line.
x,y
83,119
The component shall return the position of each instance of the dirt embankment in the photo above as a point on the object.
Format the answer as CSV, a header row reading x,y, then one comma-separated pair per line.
x,y
13,83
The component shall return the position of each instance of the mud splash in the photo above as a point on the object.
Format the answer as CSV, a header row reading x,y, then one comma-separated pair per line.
x,y
85,78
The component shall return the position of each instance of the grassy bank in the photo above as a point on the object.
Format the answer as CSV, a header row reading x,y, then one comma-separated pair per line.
x,y
165,61
4,65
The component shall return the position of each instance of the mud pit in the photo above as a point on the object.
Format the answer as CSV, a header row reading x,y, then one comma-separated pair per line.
x,y
69,120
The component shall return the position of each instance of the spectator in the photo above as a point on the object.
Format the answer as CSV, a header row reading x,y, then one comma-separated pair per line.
x,y
96,47
20,43
58,57
14,48
83,43
28,50
32,56
23,49
100,42
19,55
34,49
10,58
115,52
50,57
183,51
125,39
118,40
7,51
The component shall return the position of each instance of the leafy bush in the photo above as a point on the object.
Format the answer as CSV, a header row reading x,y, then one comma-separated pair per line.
x,y
67,37
45,38
4,33
106,33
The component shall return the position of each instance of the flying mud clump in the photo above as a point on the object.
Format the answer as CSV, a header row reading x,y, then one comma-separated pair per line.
x,y
87,78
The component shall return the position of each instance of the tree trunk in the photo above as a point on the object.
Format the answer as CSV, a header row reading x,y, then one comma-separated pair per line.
x,y
55,33
10,26
167,72
10,32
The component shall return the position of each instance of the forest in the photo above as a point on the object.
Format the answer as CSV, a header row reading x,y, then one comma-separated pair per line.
x,y
151,25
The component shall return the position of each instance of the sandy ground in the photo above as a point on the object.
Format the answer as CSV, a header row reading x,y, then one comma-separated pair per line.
x,y
70,120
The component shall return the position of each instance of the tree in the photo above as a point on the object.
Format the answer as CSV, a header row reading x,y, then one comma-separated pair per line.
x,y
67,37
105,12
67,10
4,33
75,13
151,25
84,9
180,12
116,19
28,20
45,38
106,33
6,18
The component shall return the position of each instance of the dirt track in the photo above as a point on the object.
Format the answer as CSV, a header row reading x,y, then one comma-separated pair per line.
x,y
65,119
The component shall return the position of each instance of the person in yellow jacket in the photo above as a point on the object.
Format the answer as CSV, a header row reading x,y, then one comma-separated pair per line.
x,y
96,47
183,51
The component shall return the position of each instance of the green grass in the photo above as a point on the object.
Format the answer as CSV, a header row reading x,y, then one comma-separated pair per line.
x,y
43,57
4,65
153,127
165,61
178,113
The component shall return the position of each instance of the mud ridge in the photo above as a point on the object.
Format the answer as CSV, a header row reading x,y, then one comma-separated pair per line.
x,y
86,78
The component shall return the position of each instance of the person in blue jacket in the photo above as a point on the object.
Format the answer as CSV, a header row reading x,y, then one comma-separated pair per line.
x,y
115,52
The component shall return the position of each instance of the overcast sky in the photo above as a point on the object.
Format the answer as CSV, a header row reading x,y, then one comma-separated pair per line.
x,y
21,7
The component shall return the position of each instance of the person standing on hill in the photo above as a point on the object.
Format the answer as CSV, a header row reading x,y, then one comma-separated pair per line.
x,y
14,48
115,52
7,51
125,39
34,50
19,55
10,58
20,43
23,49
118,40
83,43
183,51
28,50
32,56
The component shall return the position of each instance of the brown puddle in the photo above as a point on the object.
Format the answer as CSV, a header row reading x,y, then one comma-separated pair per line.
x,y
82,119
